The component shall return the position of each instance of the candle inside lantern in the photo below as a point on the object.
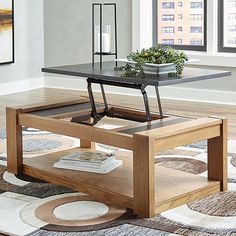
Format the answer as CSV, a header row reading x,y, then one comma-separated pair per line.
x,y
106,39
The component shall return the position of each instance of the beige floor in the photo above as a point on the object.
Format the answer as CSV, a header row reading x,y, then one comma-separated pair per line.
x,y
170,107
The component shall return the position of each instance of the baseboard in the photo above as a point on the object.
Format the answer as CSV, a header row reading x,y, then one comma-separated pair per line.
x,y
168,92
21,86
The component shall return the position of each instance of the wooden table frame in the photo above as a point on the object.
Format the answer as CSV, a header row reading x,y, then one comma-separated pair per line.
x,y
140,190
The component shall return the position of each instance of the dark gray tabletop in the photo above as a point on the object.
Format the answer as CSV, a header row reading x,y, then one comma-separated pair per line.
x,y
190,74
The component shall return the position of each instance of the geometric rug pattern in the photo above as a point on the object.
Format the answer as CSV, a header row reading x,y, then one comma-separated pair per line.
x,y
33,207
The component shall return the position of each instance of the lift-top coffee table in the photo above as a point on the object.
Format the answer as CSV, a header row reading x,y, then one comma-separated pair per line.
x,y
138,184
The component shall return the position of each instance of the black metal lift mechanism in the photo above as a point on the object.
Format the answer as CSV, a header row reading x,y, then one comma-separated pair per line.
x,y
98,116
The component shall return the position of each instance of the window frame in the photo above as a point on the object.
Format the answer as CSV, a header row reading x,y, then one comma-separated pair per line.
x,y
178,47
221,47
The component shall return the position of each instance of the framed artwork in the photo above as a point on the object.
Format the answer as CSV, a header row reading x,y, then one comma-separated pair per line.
x,y
6,31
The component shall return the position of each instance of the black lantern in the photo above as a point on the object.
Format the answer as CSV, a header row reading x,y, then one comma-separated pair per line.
x,y
102,34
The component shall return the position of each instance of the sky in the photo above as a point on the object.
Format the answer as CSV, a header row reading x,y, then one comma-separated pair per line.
x,y
5,4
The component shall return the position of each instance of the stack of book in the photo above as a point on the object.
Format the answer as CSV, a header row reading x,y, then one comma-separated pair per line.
x,y
95,162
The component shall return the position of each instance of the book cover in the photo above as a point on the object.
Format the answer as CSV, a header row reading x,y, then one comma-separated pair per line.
x,y
88,157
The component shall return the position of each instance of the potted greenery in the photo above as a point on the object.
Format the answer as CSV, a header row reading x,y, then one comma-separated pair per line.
x,y
154,58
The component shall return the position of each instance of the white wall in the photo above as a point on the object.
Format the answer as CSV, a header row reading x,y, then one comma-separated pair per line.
x,y
67,30
29,49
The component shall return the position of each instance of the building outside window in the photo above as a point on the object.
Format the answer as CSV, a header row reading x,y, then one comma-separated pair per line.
x,y
186,19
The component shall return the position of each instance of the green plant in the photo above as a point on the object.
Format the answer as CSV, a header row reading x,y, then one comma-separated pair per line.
x,y
154,55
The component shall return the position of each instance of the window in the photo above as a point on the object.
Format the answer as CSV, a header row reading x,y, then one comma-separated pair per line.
x,y
168,5
227,26
231,41
231,28
195,29
168,17
180,41
196,17
198,4
168,41
231,16
188,21
168,30
231,3
195,42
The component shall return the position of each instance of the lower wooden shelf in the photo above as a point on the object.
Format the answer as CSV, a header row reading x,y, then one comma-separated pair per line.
x,y
173,188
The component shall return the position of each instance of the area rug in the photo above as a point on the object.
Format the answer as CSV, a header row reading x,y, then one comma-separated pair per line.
x,y
32,207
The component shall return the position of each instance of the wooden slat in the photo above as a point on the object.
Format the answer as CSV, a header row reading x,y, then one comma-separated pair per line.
x,y
45,105
217,157
153,125
141,124
77,130
189,137
14,141
77,113
133,114
181,128
67,111
208,189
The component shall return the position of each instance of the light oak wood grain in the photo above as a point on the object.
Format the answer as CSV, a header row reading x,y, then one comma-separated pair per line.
x,y
138,183
77,130
14,141
218,157
172,187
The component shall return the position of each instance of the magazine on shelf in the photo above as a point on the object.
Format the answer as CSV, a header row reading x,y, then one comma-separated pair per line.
x,y
102,170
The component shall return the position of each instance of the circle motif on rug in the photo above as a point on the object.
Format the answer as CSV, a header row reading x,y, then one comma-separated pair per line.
x,y
80,210
183,164
55,212
222,204
40,145
233,160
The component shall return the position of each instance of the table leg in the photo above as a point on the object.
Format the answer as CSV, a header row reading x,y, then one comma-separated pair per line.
x,y
87,144
144,176
14,142
217,157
